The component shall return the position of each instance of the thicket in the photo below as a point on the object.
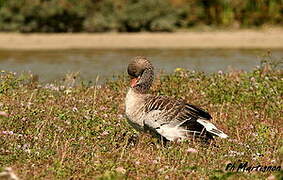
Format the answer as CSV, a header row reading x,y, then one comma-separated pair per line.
x,y
134,15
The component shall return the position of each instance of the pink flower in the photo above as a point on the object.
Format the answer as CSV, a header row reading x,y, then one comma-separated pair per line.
x,y
8,132
192,150
2,113
104,133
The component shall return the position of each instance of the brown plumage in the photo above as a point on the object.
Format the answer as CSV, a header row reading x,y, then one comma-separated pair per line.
x,y
169,118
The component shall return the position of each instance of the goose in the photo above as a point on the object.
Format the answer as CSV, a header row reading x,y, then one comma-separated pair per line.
x,y
168,118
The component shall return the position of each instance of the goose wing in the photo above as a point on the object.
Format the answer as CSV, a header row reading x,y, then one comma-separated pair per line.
x,y
167,110
173,118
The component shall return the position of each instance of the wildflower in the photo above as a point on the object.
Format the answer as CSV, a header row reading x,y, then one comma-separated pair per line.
x,y
192,150
154,161
7,132
120,116
179,69
2,113
29,105
103,108
120,169
52,87
81,138
235,153
104,133
258,155
67,91
75,109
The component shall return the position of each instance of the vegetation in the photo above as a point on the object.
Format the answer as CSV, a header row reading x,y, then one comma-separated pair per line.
x,y
78,131
134,15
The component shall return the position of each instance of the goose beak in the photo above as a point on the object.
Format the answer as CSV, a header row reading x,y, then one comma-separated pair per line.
x,y
134,81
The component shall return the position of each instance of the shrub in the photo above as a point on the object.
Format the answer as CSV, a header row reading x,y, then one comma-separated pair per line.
x,y
133,15
41,16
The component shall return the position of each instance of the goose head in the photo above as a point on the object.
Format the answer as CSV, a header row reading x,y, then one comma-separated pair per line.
x,y
141,73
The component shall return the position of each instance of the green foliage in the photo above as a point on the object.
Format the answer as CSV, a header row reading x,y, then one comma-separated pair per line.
x,y
80,132
143,15
134,15
41,16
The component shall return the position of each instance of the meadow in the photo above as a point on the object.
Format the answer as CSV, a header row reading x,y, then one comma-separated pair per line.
x,y
76,129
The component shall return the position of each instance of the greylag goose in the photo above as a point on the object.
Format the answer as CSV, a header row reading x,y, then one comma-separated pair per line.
x,y
163,116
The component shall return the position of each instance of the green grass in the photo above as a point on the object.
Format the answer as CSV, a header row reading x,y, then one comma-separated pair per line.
x,y
81,132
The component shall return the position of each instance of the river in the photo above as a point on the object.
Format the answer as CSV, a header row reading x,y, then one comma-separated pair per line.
x,y
53,65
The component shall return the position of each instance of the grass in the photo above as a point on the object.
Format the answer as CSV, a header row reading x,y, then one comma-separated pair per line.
x,y
80,132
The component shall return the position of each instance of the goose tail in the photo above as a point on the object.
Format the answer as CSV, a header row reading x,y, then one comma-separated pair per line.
x,y
211,128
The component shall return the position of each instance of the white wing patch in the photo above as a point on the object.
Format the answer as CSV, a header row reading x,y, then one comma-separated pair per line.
x,y
211,128
171,133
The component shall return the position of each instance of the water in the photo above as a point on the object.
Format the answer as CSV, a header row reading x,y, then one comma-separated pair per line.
x,y
53,65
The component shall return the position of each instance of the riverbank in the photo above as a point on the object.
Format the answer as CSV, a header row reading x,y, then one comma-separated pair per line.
x,y
240,39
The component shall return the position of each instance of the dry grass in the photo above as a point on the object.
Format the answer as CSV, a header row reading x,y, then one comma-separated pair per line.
x,y
80,132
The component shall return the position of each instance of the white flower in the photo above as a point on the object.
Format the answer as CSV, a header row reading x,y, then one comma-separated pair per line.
x,y
192,150
120,169
75,109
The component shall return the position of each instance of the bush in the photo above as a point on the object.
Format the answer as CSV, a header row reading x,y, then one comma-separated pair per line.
x,y
104,18
134,15
41,16
148,15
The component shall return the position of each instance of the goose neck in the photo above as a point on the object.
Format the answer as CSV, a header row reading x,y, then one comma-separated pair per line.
x,y
145,81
